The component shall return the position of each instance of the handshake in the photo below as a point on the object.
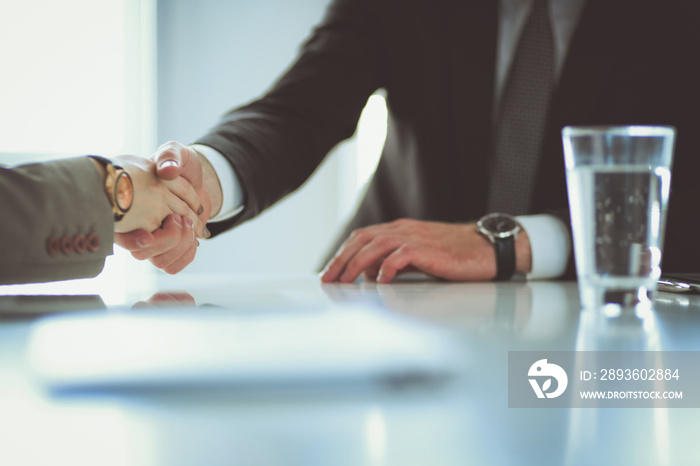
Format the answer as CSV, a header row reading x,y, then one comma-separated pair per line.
x,y
175,192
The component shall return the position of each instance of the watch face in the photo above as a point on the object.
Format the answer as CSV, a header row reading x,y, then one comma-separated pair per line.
x,y
500,225
124,192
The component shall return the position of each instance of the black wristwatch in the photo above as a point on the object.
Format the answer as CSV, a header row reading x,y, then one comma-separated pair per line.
x,y
501,230
118,187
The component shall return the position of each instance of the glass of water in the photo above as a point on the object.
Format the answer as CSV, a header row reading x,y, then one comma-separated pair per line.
x,y
618,178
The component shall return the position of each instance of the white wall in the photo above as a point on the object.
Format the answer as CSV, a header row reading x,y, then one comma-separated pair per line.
x,y
216,54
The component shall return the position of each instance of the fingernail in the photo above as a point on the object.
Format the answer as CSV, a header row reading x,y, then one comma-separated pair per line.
x,y
144,242
189,222
200,211
168,164
206,233
178,219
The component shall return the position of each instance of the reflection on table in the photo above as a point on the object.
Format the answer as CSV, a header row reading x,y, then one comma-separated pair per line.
x,y
465,421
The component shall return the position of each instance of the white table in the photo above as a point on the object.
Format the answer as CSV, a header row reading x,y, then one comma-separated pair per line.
x,y
463,422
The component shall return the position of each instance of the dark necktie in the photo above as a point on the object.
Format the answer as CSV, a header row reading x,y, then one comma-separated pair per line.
x,y
522,116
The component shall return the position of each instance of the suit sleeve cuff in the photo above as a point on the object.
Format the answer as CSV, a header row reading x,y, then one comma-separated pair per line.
x,y
550,243
232,202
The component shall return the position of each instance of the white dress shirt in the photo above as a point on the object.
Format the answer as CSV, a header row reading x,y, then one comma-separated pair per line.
x,y
550,241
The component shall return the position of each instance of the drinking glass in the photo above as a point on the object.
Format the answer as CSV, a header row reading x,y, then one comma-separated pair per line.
x,y
618,179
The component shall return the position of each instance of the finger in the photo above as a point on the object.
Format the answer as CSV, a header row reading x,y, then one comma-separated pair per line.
x,y
372,272
191,166
134,240
168,160
165,238
179,207
186,242
379,247
205,211
185,191
349,248
183,261
396,261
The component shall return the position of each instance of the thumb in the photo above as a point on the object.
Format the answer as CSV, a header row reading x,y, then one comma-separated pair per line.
x,y
191,166
168,160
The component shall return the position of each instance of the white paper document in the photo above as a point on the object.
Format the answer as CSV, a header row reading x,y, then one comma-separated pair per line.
x,y
210,347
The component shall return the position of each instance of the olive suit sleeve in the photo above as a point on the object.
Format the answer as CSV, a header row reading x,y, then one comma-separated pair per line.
x,y
56,222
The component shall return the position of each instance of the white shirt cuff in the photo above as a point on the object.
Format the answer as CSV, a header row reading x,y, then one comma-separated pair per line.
x,y
232,202
550,243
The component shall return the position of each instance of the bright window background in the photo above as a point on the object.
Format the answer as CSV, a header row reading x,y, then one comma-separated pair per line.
x,y
77,78
371,134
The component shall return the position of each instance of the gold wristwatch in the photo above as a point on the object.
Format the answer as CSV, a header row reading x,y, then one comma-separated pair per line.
x,y
118,187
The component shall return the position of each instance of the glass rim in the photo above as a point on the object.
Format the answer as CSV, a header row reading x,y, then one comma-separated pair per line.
x,y
619,130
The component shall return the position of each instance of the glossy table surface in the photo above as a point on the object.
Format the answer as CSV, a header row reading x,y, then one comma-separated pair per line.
x,y
465,421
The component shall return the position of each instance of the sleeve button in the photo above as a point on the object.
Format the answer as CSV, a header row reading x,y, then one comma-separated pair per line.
x,y
52,246
67,245
93,242
80,243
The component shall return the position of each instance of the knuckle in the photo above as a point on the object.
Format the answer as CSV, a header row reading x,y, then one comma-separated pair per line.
x,y
160,262
408,250
408,225
181,263
383,241
360,234
189,256
415,227
140,255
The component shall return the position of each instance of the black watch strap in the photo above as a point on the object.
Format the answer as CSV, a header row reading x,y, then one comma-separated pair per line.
x,y
505,258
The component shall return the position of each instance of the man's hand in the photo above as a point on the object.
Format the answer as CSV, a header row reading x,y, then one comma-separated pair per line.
x,y
155,199
173,159
170,248
173,247
450,251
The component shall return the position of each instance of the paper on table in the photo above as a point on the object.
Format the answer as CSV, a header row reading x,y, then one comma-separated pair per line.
x,y
205,347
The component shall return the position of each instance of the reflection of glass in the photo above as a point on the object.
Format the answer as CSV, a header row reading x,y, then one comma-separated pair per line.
x,y
304,428
596,433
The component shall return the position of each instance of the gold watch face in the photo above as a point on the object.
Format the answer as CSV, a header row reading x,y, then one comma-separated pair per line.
x,y
124,192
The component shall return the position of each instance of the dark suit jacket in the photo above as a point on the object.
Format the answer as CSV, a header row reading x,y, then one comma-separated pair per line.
x,y
56,222
629,62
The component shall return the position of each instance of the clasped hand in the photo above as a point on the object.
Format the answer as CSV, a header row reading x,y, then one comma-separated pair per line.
x,y
170,210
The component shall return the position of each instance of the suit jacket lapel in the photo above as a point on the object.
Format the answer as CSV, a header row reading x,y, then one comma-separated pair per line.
x,y
597,41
